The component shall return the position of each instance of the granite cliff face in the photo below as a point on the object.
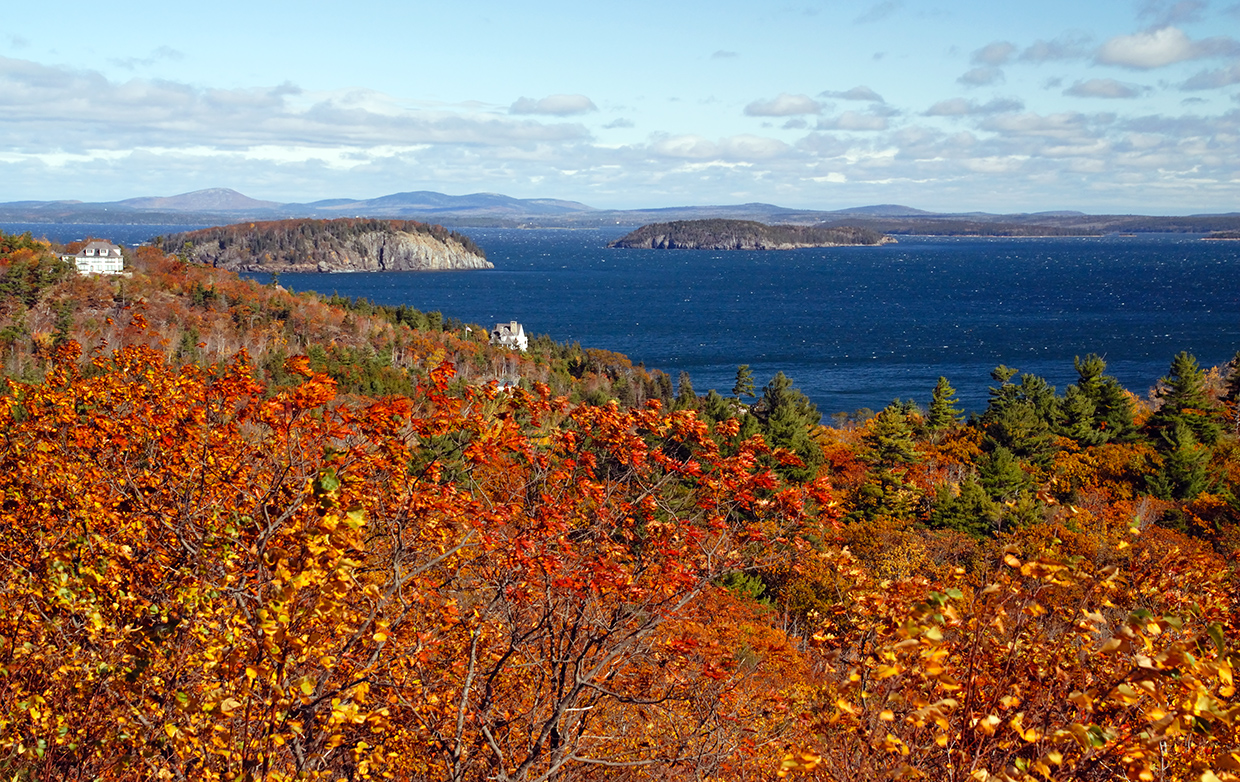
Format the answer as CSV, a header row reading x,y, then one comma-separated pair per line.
x,y
345,245
744,235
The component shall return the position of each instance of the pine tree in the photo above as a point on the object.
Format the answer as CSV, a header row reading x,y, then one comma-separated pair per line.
x,y
1001,475
970,510
1112,406
943,412
686,398
744,386
1184,471
889,439
1185,401
788,417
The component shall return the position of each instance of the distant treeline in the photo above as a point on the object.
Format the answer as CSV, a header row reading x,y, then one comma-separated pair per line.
x,y
744,235
302,238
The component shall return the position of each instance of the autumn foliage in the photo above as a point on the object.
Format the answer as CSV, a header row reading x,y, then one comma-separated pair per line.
x,y
268,553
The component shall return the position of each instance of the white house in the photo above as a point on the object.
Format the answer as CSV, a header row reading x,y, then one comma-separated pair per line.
x,y
98,257
510,335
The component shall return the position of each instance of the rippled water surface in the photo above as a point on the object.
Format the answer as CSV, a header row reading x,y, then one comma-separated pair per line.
x,y
854,327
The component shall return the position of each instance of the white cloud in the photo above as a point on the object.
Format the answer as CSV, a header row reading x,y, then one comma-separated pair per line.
x,y
724,54
993,54
1061,125
620,122
1065,47
853,120
980,77
1104,88
860,92
783,105
1161,47
961,107
734,148
554,105
45,108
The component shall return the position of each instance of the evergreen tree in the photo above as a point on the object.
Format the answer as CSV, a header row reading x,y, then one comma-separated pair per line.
x,y
943,412
686,398
889,439
744,386
1185,401
1018,429
1019,416
1001,476
1184,471
788,417
1111,418
1077,418
970,510
715,407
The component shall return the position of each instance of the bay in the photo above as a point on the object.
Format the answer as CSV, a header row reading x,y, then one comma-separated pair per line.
x,y
853,326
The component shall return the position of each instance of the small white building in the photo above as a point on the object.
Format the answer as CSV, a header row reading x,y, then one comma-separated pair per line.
x,y
98,257
510,335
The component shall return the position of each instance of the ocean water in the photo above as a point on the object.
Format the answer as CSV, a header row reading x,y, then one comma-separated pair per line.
x,y
853,326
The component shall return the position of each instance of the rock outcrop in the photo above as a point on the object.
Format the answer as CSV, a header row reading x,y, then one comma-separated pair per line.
x,y
745,235
345,245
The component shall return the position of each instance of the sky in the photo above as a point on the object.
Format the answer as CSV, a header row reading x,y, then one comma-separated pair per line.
x,y
1102,106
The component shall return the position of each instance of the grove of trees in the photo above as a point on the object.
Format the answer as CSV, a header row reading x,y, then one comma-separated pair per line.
x,y
252,534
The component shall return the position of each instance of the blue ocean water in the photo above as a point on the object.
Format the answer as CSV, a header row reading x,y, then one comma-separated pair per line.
x,y
853,326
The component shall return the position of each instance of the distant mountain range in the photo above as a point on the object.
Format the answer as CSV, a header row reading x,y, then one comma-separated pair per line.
x,y
221,206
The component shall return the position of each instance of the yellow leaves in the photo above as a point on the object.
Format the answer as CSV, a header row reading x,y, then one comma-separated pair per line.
x,y
988,724
894,745
1029,735
799,761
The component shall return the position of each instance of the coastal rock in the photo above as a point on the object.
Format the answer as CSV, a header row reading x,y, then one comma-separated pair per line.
x,y
745,235
345,245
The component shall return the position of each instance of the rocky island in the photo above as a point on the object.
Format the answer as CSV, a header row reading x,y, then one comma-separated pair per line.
x,y
745,235
343,245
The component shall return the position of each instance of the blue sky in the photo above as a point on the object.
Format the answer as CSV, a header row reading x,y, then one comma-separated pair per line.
x,y
1099,106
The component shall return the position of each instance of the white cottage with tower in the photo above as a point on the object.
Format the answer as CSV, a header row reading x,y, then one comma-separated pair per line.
x,y
510,335
99,256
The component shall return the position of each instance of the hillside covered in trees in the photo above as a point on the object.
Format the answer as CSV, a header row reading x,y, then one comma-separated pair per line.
x,y
252,534
743,235
344,244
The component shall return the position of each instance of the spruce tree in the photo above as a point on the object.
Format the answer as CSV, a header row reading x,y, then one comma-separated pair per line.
x,y
970,510
889,439
1184,471
1184,401
943,412
686,398
788,418
1112,407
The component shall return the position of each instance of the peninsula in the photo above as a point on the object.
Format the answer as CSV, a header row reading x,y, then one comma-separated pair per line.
x,y
745,235
342,245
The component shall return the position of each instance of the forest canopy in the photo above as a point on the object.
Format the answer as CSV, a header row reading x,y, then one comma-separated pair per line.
x,y
252,534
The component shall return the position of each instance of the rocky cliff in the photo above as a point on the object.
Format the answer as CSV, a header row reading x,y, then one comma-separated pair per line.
x,y
345,245
744,235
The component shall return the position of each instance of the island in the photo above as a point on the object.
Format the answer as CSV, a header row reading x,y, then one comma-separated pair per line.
x,y
341,245
745,235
